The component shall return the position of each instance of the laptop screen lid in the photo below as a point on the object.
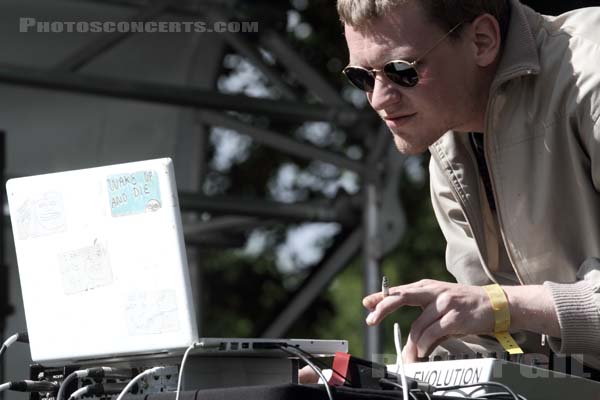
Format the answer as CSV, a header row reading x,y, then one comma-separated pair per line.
x,y
102,262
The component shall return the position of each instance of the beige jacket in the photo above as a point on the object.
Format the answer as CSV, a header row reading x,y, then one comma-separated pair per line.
x,y
542,146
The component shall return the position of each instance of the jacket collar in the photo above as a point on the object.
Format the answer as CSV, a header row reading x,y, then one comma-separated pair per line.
x,y
520,54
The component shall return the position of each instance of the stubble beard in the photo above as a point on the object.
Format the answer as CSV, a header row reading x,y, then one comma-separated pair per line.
x,y
411,147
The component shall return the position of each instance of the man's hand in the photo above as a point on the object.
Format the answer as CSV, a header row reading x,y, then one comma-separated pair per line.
x,y
307,375
454,310
449,309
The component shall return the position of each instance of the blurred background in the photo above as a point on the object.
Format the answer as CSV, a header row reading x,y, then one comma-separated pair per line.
x,y
294,199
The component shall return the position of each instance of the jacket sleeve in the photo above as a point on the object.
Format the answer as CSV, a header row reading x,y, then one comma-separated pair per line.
x,y
593,148
578,304
462,257
577,307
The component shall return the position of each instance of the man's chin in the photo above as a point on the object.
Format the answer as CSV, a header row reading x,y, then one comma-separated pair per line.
x,y
408,148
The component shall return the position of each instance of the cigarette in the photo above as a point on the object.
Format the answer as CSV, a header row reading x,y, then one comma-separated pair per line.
x,y
385,290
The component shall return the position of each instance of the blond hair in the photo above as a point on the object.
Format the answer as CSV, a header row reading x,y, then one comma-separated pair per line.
x,y
445,13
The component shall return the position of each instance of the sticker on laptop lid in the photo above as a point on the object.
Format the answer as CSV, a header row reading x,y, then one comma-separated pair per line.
x,y
41,215
151,312
85,268
134,193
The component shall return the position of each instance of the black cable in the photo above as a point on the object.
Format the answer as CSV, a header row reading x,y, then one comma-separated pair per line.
x,y
425,388
31,386
320,363
414,386
98,389
497,395
294,351
96,372
22,337
508,394
458,387
399,386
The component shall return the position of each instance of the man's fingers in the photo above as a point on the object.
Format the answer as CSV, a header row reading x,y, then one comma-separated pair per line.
x,y
370,301
307,375
409,352
448,310
435,334
384,307
430,314
381,306
427,288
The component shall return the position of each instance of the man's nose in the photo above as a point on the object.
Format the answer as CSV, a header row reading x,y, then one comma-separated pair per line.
x,y
384,94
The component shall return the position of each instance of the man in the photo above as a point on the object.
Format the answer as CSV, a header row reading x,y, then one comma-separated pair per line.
x,y
508,103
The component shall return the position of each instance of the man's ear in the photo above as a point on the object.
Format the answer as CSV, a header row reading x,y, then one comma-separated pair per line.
x,y
486,39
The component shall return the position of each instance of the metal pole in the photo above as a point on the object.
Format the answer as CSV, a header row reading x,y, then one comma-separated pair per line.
x,y
373,242
251,52
92,50
5,307
283,143
311,78
261,208
291,111
372,255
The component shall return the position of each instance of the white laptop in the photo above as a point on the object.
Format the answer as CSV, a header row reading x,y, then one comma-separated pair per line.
x,y
103,267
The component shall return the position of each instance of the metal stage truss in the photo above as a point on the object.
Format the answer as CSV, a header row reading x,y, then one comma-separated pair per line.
x,y
372,220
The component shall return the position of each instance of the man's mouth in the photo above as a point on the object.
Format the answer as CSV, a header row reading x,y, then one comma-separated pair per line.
x,y
392,117
399,118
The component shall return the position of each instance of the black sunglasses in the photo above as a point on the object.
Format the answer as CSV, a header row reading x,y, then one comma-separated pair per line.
x,y
401,72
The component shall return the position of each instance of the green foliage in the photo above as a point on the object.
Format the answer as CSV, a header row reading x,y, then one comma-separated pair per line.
x,y
419,255
244,293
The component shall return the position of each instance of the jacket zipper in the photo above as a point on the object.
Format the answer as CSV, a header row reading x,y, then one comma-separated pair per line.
x,y
476,235
498,207
490,106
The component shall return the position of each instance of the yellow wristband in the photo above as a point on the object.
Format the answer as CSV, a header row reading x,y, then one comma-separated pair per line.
x,y
502,318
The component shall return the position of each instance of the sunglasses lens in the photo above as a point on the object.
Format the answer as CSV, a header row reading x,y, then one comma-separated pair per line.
x,y
360,78
401,73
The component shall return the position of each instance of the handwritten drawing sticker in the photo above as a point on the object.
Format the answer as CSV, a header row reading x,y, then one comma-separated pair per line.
x,y
134,193
152,312
41,215
86,268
